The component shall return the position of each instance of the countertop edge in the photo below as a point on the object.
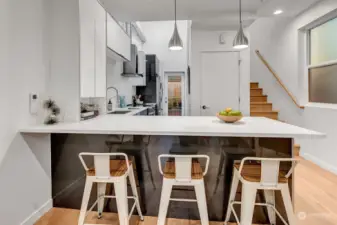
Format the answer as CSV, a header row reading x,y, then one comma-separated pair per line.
x,y
208,134
209,126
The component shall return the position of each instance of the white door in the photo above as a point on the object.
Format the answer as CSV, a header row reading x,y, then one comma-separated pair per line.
x,y
220,77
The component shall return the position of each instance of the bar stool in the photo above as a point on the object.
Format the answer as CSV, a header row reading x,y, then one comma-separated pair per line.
x,y
105,171
183,170
261,174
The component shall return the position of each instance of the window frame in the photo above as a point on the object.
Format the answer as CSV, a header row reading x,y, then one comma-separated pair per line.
x,y
310,66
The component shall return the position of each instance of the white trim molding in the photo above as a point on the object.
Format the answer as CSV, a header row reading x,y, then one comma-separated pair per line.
x,y
32,218
319,162
327,63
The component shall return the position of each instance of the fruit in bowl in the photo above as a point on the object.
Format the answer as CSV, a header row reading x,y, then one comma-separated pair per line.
x,y
229,115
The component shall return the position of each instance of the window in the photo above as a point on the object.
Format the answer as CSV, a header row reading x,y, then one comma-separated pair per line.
x,y
323,63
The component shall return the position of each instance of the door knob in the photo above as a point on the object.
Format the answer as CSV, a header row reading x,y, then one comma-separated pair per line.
x,y
204,107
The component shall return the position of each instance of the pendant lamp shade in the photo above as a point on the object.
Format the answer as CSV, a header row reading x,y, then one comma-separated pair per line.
x,y
175,43
240,40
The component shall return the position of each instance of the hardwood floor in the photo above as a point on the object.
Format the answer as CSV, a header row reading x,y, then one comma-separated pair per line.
x,y
316,195
58,216
315,203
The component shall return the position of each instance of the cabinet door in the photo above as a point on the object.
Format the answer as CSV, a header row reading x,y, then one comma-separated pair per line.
x,y
100,51
117,39
87,49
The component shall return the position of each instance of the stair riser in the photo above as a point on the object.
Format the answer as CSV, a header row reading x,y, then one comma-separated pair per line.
x,y
297,149
254,85
261,108
271,115
258,98
256,92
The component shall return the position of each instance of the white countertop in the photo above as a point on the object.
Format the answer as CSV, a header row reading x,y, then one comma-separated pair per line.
x,y
188,126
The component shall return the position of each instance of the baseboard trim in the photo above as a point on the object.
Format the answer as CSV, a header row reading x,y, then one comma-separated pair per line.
x,y
319,162
32,218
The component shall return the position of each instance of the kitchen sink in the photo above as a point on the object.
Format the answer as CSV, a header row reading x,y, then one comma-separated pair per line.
x,y
119,112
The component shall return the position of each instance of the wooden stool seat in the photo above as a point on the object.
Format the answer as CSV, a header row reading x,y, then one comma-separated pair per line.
x,y
252,172
170,170
117,168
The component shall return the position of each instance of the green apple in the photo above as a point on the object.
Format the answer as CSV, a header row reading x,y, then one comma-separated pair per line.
x,y
223,113
235,113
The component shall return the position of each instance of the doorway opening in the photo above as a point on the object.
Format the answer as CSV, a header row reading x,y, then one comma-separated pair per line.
x,y
175,94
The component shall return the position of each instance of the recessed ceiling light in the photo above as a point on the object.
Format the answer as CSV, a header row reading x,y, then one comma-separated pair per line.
x,y
278,12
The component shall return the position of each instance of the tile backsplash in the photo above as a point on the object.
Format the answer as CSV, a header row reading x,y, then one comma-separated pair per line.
x,y
100,102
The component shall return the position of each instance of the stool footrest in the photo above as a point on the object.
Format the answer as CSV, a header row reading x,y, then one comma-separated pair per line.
x,y
258,204
182,200
112,196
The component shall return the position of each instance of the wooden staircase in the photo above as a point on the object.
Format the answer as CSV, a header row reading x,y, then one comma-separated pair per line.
x,y
259,105
258,102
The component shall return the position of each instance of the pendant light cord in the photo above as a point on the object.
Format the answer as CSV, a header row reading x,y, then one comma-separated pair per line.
x,y
175,11
240,13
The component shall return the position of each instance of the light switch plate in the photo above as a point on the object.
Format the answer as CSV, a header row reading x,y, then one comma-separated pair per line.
x,y
33,103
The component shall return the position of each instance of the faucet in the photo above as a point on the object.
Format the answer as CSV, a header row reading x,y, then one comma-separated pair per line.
x,y
117,94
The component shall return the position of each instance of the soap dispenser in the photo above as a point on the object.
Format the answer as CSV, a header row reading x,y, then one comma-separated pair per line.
x,y
109,105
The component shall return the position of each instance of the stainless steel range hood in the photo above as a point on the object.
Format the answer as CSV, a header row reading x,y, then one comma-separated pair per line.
x,y
130,68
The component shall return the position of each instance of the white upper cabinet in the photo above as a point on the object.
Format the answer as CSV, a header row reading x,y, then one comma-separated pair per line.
x,y
100,51
87,48
93,49
117,40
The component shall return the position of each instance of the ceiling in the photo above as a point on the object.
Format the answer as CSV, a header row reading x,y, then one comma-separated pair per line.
x,y
205,14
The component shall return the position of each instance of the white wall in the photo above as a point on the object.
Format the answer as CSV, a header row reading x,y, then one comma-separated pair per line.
x,y
114,79
282,42
24,67
64,86
203,40
158,35
39,54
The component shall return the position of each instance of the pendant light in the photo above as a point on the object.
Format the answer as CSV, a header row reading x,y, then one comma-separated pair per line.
x,y
240,40
175,43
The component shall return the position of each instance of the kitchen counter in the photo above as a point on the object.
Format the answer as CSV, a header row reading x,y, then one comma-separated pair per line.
x,y
164,125
57,147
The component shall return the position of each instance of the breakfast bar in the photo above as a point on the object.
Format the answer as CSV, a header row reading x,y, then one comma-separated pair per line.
x,y
144,138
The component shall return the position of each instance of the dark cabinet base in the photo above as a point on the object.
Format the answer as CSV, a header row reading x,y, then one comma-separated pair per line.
x,y
68,175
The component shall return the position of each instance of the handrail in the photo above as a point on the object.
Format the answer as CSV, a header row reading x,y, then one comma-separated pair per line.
x,y
278,79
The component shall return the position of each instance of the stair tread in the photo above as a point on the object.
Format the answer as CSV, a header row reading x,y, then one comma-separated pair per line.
x,y
261,103
267,111
254,85
262,111
260,107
